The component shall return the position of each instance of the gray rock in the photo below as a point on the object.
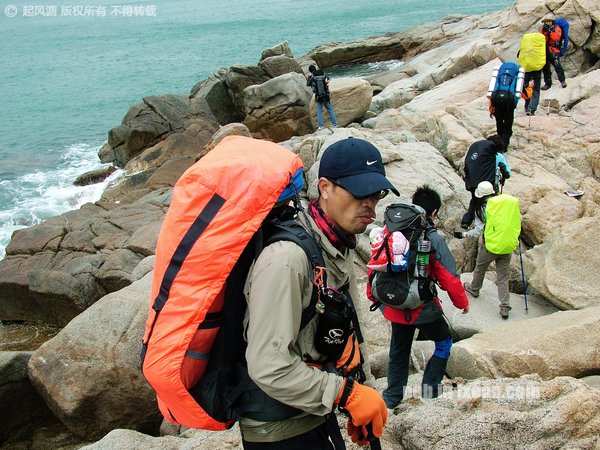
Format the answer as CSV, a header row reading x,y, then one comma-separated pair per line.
x,y
524,413
277,109
23,410
89,374
559,344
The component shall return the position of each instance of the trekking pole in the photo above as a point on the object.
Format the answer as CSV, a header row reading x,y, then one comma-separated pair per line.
x,y
523,277
373,441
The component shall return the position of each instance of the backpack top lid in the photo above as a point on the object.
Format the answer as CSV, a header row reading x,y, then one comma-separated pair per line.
x,y
507,76
502,224
407,218
217,206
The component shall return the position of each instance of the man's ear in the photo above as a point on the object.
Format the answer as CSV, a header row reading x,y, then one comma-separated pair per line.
x,y
324,186
434,214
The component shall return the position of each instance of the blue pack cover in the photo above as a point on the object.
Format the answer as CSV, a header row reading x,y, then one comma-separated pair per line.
x,y
564,26
504,90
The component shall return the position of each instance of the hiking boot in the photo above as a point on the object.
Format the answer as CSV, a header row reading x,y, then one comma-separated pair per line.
x,y
470,290
320,128
504,315
530,113
563,84
546,87
464,226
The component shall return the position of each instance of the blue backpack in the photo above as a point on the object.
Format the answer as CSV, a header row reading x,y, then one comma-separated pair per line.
x,y
564,40
503,95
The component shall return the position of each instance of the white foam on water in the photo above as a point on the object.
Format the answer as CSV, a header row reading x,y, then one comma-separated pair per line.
x,y
39,195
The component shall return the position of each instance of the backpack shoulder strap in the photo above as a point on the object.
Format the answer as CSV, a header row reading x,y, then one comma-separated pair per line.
x,y
292,231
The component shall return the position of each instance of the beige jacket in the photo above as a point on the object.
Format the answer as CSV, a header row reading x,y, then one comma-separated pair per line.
x,y
278,288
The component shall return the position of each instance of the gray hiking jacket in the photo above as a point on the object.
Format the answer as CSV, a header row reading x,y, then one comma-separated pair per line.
x,y
278,288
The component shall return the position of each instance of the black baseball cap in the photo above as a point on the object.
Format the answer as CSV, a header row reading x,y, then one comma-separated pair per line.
x,y
355,165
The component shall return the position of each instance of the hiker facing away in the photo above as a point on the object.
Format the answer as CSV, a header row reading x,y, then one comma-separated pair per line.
x,y
282,358
484,161
428,318
553,34
319,83
483,193
503,95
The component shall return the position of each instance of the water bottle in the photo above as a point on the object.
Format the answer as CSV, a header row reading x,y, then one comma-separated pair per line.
x,y
423,249
520,81
493,81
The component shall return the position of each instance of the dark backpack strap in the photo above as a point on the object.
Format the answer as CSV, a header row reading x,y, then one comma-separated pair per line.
x,y
292,231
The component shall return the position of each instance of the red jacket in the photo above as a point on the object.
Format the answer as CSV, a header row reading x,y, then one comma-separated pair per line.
x,y
443,270
553,36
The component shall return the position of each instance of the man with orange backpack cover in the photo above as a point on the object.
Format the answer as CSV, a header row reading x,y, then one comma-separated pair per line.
x,y
283,358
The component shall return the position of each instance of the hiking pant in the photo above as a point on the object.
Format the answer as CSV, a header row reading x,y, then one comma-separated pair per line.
x,y
317,438
552,59
484,259
536,76
469,216
400,345
330,111
504,122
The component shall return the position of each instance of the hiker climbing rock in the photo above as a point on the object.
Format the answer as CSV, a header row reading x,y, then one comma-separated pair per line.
x,y
276,310
498,218
484,161
417,227
319,82
554,43
503,94
351,181
532,57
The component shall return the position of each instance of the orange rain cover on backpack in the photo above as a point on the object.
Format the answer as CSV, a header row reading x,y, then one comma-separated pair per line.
x,y
217,206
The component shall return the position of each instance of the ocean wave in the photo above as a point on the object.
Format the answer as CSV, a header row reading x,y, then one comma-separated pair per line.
x,y
34,197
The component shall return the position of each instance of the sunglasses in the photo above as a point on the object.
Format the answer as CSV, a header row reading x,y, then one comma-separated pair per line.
x,y
375,195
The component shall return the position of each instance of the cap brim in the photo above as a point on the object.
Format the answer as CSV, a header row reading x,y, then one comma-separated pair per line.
x,y
366,183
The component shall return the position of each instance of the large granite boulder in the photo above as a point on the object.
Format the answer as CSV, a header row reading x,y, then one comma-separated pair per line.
x,y
89,374
524,413
562,268
278,109
559,344
214,90
239,77
23,410
55,270
153,120
350,98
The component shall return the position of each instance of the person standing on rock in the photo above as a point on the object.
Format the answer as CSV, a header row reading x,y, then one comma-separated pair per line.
x,y
553,34
283,358
319,83
505,227
484,161
428,318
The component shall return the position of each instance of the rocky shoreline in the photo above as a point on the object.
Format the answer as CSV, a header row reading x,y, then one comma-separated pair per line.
x,y
531,382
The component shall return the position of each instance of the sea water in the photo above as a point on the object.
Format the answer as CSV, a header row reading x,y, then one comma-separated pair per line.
x,y
70,70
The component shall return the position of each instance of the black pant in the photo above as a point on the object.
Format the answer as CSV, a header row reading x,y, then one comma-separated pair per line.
x,y
317,439
504,122
400,345
469,216
552,59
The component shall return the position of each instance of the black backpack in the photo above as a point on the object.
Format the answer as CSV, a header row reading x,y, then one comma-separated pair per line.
x,y
226,391
403,290
320,88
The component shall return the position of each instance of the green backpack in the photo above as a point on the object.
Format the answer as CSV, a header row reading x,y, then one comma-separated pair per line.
x,y
502,224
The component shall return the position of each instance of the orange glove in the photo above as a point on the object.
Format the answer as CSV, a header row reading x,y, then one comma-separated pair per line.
x,y
351,356
365,406
491,109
